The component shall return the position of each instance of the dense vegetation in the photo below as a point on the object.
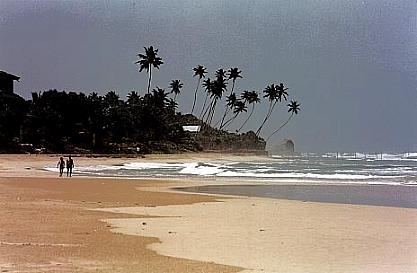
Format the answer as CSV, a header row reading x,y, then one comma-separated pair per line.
x,y
59,121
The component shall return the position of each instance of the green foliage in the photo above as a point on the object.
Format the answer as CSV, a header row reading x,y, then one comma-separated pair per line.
x,y
12,113
66,122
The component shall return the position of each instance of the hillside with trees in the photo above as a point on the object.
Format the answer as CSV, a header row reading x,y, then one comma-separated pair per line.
x,y
58,121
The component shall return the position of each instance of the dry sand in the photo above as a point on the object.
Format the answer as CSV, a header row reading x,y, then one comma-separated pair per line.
x,y
103,225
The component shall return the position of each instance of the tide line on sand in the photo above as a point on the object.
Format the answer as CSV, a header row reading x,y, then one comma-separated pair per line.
x,y
267,235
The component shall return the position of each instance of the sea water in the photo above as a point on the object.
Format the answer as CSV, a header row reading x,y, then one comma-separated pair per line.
x,y
390,169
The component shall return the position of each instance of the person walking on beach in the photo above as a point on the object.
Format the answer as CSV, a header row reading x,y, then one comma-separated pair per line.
x,y
61,166
70,165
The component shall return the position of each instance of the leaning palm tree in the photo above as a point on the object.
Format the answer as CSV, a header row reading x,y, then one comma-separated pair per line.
x,y
250,97
230,104
199,71
218,88
239,107
281,92
271,92
147,60
208,86
234,73
293,108
175,86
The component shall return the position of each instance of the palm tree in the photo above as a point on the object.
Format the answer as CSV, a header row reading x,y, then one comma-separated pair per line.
x,y
239,107
234,73
220,73
293,108
208,86
133,98
175,86
219,86
251,98
272,93
281,92
147,60
111,99
199,71
159,97
230,104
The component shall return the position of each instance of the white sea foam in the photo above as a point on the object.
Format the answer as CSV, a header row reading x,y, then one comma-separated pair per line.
x,y
198,169
51,169
361,168
336,176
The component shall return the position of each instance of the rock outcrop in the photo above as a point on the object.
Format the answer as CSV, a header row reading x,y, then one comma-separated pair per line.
x,y
283,147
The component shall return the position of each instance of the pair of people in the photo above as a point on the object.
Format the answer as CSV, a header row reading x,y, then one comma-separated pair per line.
x,y
69,164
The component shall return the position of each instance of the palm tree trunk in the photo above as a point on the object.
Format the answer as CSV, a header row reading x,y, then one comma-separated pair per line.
x,y
229,121
207,111
250,114
213,110
204,105
195,95
150,77
277,130
271,107
227,108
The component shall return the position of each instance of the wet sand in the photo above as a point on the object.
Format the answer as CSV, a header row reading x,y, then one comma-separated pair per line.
x,y
374,195
48,225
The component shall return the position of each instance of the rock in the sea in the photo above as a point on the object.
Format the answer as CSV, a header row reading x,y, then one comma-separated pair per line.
x,y
284,147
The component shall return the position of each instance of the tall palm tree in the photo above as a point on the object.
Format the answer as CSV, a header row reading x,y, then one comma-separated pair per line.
x,y
199,71
281,92
208,86
220,73
147,60
218,88
175,86
230,104
233,73
271,92
239,107
293,108
250,97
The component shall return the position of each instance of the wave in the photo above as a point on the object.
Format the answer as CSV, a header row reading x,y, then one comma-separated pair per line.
x,y
336,176
304,167
411,156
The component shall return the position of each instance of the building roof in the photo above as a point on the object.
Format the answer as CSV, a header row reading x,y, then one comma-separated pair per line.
x,y
191,128
5,75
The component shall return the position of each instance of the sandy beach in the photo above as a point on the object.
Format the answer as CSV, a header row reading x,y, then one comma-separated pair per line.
x,y
51,224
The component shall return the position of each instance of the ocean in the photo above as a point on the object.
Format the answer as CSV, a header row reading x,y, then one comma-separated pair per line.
x,y
335,168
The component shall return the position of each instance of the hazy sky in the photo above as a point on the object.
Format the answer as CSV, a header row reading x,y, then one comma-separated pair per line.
x,y
352,64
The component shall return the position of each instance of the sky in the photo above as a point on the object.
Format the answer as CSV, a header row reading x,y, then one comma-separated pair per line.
x,y
352,64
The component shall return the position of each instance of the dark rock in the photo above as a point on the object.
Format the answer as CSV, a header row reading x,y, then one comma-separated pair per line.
x,y
283,147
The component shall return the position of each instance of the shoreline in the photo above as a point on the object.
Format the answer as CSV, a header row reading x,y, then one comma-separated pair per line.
x,y
350,194
84,224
